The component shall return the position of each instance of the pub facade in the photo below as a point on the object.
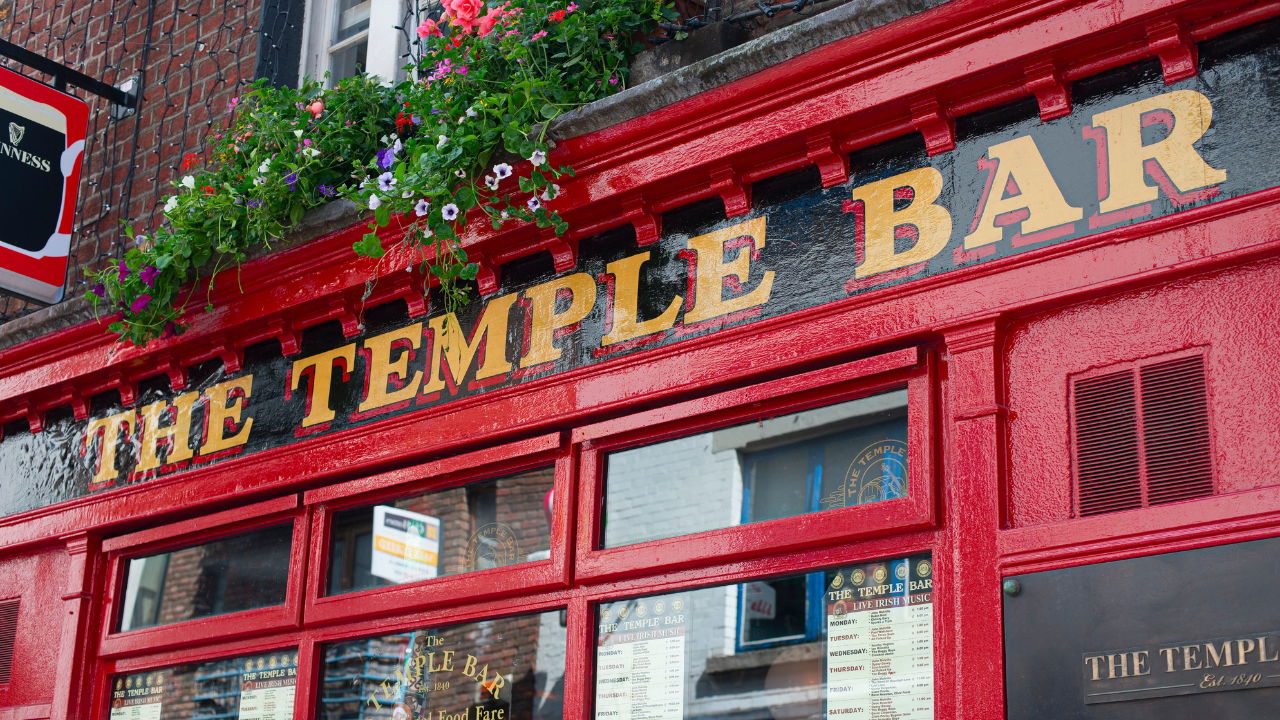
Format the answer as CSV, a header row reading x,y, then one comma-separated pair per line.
x,y
924,373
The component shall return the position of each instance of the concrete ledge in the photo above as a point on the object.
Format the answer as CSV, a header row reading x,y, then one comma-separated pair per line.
x,y
851,18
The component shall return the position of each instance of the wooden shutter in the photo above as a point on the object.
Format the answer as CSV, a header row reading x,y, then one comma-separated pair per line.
x,y
8,629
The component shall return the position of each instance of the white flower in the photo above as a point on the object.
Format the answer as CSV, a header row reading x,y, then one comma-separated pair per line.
x,y
374,202
139,240
491,182
387,182
426,232
297,133
460,173
170,204
471,111
309,152
188,182
406,194
443,139
504,214
421,208
534,203
449,212
259,180
265,167
502,171
551,193
538,157
397,146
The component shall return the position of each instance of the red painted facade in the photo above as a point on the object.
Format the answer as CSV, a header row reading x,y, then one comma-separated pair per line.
x,y
985,350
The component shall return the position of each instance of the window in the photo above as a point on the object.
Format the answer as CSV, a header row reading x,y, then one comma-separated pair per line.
x,y
348,37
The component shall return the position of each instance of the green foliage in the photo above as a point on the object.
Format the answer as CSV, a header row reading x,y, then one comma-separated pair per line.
x,y
438,149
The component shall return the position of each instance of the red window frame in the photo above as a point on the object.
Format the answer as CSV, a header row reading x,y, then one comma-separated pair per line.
x,y
909,368
198,531
452,472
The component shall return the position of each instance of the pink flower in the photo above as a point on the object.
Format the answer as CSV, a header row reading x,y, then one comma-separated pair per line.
x,y
539,34
316,108
464,12
429,28
141,303
488,21
572,6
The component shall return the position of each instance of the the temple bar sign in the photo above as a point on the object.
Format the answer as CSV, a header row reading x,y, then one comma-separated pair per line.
x,y
41,144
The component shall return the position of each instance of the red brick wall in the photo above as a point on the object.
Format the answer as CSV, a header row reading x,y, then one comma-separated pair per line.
x,y
195,56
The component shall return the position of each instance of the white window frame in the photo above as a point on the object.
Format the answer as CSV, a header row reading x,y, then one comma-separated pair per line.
x,y
383,55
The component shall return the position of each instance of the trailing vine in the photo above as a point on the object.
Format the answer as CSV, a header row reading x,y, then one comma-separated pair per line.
x,y
463,138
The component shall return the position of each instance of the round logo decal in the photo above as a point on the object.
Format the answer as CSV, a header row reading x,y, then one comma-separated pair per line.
x,y
901,571
493,545
837,582
923,568
858,576
880,574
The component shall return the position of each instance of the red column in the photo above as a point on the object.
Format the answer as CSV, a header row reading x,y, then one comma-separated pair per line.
x,y
71,680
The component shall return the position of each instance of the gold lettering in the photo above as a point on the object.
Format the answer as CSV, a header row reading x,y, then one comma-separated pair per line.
x,y
1262,650
1215,658
321,367
451,346
1191,657
544,320
1118,665
1244,646
382,367
626,303
1019,162
1189,113
931,221
1141,665
178,434
469,669
227,401
447,664
494,686
1168,658
110,428
712,270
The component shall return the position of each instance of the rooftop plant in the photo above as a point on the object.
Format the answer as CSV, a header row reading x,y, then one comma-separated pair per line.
x,y
463,138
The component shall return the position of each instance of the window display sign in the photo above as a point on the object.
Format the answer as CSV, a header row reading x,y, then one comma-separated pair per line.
x,y
42,135
1174,636
640,663
406,545
267,693
138,697
880,641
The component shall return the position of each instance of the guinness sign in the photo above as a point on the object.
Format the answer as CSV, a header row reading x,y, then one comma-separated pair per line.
x,y
41,144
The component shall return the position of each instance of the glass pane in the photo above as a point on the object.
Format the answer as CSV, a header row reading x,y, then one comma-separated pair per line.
x,y
352,18
505,669
256,686
485,524
348,62
830,457
858,645
241,572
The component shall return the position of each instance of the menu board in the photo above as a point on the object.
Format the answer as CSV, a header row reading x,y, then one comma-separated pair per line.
x,y
406,545
640,664
880,641
138,697
268,694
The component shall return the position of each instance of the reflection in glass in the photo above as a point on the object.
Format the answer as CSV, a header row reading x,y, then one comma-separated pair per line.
x,y
504,669
255,686
484,524
831,457
850,642
241,572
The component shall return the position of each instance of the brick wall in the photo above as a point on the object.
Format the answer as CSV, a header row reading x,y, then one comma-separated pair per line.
x,y
194,57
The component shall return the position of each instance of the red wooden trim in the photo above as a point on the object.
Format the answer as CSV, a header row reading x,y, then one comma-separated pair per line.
x,y
742,397
175,532
397,481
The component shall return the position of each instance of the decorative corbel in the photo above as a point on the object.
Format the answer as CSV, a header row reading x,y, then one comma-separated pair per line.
x,y
564,250
938,129
486,275
1051,92
79,404
1173,45
647,223
347,316
729,186
833,165
290,343
35,417
232,356
128,391
176,372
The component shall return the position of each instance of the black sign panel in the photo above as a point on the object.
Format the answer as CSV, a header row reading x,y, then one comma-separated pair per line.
x,y
41,145
1181,636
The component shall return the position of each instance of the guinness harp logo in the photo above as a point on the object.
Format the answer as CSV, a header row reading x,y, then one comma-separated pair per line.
x,y
16,132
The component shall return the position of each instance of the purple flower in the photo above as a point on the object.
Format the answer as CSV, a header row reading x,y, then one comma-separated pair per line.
x,y
386,156
123,271
386,182
148,275
534,203
449,212
502,171
421,208
100,290
254,203
327,190
141,303
292,180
